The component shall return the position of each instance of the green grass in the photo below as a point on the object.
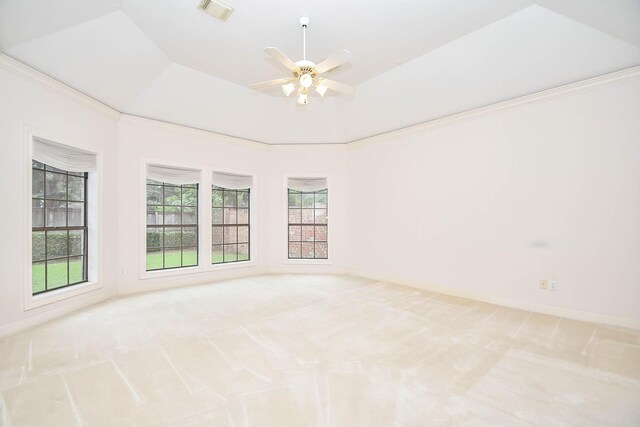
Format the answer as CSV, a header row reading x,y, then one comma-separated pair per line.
x,y
172,259
56,274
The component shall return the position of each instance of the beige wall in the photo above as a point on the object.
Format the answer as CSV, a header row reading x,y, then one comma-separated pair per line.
x,y
488,206
26,104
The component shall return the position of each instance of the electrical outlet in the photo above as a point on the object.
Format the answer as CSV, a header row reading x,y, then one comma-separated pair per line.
x,y
553,285
544,285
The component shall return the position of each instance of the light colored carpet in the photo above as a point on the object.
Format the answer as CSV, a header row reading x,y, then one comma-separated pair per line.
x,y
316,351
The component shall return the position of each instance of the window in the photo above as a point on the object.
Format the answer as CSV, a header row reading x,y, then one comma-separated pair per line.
x,y
59,228
230,225
172,225
230,218
308,218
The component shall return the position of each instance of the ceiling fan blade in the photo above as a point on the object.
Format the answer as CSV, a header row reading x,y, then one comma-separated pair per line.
x,y
268,83
277,54
337,86
334,60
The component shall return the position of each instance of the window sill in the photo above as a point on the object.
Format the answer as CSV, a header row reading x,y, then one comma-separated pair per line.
x,y
211,268
60,294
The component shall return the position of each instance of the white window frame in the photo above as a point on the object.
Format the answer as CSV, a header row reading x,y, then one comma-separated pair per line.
x,y
204,221
285,192
253,223
94,199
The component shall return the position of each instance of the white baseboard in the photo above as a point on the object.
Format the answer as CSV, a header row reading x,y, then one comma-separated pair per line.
x,y
553,310
55,310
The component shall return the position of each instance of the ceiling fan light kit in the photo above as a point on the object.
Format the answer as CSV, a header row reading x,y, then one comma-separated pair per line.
x,y
305,73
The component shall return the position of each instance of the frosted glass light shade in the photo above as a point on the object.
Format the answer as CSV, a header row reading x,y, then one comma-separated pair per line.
x,y
321,89
287,88
306,80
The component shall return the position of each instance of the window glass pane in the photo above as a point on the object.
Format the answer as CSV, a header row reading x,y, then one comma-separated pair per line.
x,y
230,198
295,199
172,258
56,186
154,259
307,250
216,216
189,196
76,269
154,195
321,200
295,216
230,215
37,183
37,246
190,215
230,253
230,234
189,256
321,233
216,235
172,195
243,216
307,216
243,199
56,244
308,234
295,233
216,198
307,200
216,254
243,234
37,277
55,213
154,215
57,273
36,164
321,250
172,237
321,216
172,215
75,214
295,250
154,238
189,236
243,252
76,242
37,213
76,188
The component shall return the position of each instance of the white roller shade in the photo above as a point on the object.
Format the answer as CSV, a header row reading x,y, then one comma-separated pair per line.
x,y
231,181
63,157
307,184
173,175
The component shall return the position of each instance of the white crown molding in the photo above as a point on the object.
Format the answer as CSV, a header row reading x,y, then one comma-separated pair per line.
x,y
16,67
130,118
582,85
48,82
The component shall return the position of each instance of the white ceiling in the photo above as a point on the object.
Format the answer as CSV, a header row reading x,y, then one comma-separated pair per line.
x,y
414,61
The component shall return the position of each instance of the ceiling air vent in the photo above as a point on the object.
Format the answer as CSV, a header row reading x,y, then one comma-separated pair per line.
x,y
216,8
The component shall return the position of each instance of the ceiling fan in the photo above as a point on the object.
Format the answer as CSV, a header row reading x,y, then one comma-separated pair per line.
x,y
305,73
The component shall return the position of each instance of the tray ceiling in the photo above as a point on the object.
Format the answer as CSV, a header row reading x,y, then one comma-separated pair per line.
x,y
414,61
